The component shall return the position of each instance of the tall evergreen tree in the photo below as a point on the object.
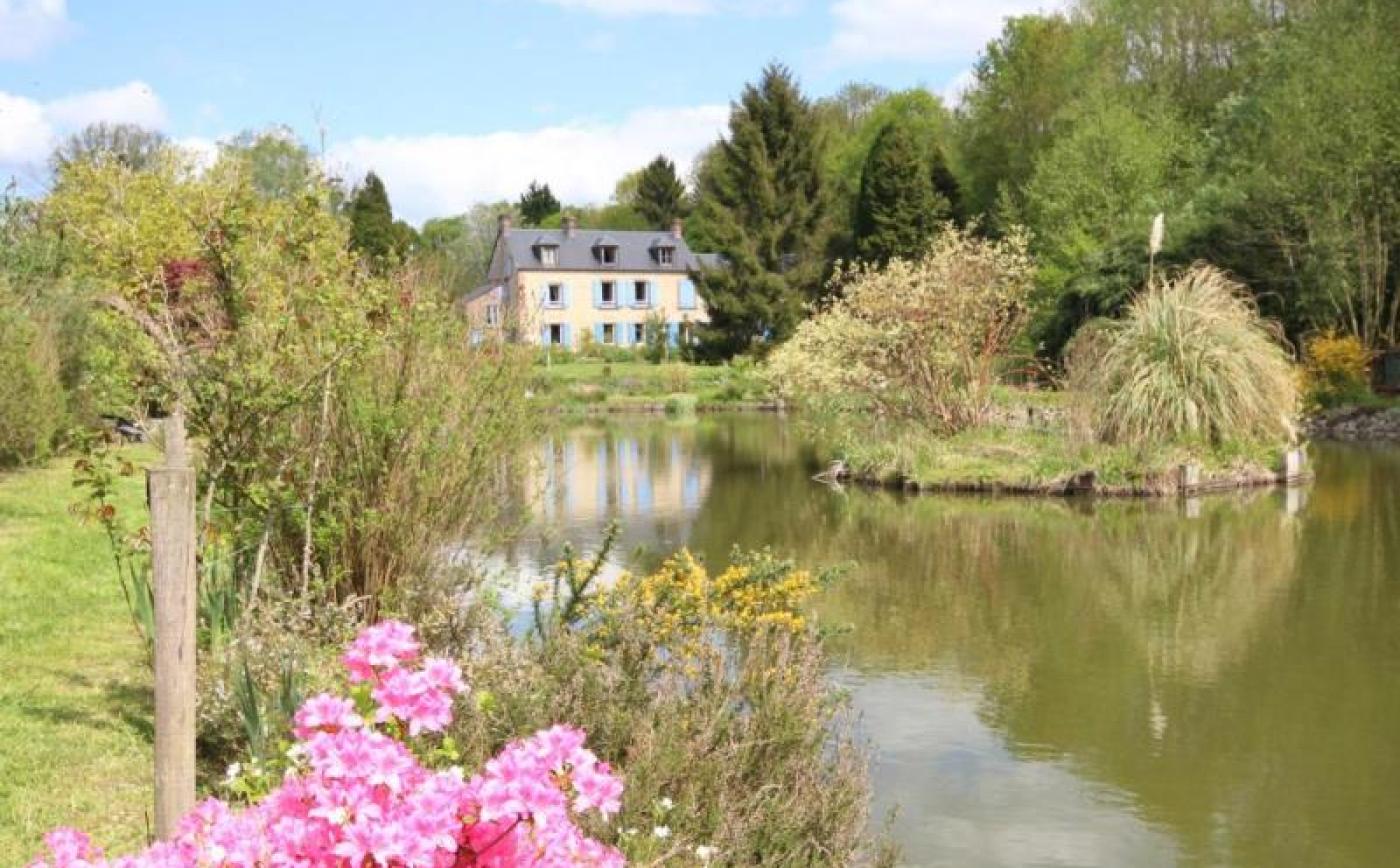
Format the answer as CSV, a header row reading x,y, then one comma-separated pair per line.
x,y
372,230
761,203
897,209
537,204
660,193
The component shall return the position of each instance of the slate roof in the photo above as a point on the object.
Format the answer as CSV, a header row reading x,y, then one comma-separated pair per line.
x,y
635,251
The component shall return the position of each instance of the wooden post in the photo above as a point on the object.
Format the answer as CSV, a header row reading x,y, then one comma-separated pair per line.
x,y
171,490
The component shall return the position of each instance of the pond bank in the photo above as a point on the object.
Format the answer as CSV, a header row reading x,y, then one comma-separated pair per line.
x,y
1187,480
1356,424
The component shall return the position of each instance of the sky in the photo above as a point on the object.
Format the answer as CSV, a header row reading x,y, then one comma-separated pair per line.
x,y
455,103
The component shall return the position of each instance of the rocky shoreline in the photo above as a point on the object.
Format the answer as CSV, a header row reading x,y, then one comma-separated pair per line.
x,y
1355,424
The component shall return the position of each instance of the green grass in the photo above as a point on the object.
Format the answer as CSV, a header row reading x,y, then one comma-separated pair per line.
x,y
75,699
581,384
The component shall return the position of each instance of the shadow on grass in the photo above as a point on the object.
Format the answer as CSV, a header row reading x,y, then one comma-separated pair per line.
x,y
118,706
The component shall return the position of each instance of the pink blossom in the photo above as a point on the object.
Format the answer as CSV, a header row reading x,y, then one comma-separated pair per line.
x,y
365,800
386,645
325,713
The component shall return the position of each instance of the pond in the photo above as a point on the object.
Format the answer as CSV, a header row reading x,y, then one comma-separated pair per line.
x,y
1051,682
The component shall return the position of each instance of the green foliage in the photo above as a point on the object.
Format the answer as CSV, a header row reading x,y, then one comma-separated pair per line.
x,y
761,204
537,204
1191,361
32,411
658,341
897,209
660,193
1024,79
852,121
457,250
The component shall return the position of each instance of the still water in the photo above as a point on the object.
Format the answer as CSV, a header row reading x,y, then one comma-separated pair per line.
x,y
1062,683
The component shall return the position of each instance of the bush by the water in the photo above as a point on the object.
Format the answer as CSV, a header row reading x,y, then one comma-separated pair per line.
x,y
1191,361
922,340
1336,370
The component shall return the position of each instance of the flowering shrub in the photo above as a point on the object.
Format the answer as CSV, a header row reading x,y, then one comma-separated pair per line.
x,y
358,795
681,601
922,340
1336,370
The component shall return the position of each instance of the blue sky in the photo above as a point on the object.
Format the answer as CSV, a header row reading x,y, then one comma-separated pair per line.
x,y
455,103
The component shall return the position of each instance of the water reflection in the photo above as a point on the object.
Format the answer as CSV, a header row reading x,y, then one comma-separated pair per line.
x,y
1064,683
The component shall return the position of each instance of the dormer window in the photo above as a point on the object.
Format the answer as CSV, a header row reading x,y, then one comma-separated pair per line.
x,y
664,249
605,248
547,249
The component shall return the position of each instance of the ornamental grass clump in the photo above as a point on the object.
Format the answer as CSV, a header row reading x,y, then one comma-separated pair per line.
x,y
1192,361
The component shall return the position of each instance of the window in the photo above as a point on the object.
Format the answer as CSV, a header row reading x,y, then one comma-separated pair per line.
x,y
556,335
609,291
665,255
549,255
554,296
639,293
639,333
608,255
493,314
609,333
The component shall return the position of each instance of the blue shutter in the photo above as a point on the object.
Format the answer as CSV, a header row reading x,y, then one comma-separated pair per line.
x,y
543,293
564,295
568,336
598,293
651,294
544,335
687,300
673,334
624,334
598,333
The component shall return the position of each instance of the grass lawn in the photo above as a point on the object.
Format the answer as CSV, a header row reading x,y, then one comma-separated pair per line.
x,y
583,383
75,698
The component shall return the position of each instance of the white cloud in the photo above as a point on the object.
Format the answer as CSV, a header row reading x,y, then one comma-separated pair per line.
x,y
23,129
921,30
28,27
133,103
431,176
957,87
29,128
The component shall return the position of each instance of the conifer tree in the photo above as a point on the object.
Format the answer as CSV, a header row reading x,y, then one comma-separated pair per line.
x,y
537,204
660,193
897,209
760,203
372,231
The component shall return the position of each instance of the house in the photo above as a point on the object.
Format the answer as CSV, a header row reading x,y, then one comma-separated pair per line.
x,y
562,287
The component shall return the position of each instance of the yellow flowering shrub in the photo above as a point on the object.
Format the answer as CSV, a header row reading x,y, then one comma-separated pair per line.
x,y
681,603
1336,369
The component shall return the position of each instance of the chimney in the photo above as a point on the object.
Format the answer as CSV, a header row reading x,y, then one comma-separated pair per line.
x,y
503,222
678,229
570,226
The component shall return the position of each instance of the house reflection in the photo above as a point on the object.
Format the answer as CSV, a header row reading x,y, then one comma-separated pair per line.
x,y
590,476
